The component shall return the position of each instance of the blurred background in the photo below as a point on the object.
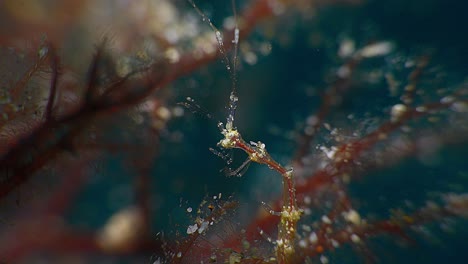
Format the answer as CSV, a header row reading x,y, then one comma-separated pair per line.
x,y
285,64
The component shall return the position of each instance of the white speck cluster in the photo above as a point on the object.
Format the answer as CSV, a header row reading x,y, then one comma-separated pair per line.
x,y
397,112
352,216
192,229
377,49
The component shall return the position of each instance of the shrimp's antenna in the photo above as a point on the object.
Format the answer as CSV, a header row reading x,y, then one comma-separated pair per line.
x,y
230,66
219,37
233,97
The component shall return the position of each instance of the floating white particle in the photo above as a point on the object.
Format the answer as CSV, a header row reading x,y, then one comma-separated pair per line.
x,y
121,229
313,238
335,243
421,109
352,216
178,111
447,99
189,210
172,55
163,113
409,63
355,238
343,72
323,259
229,23
347,47
326,220
397,112
179,254
312,120
306,228
192,229
250,57
334,132
302,243
377,49
329,152
307,199
203,226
